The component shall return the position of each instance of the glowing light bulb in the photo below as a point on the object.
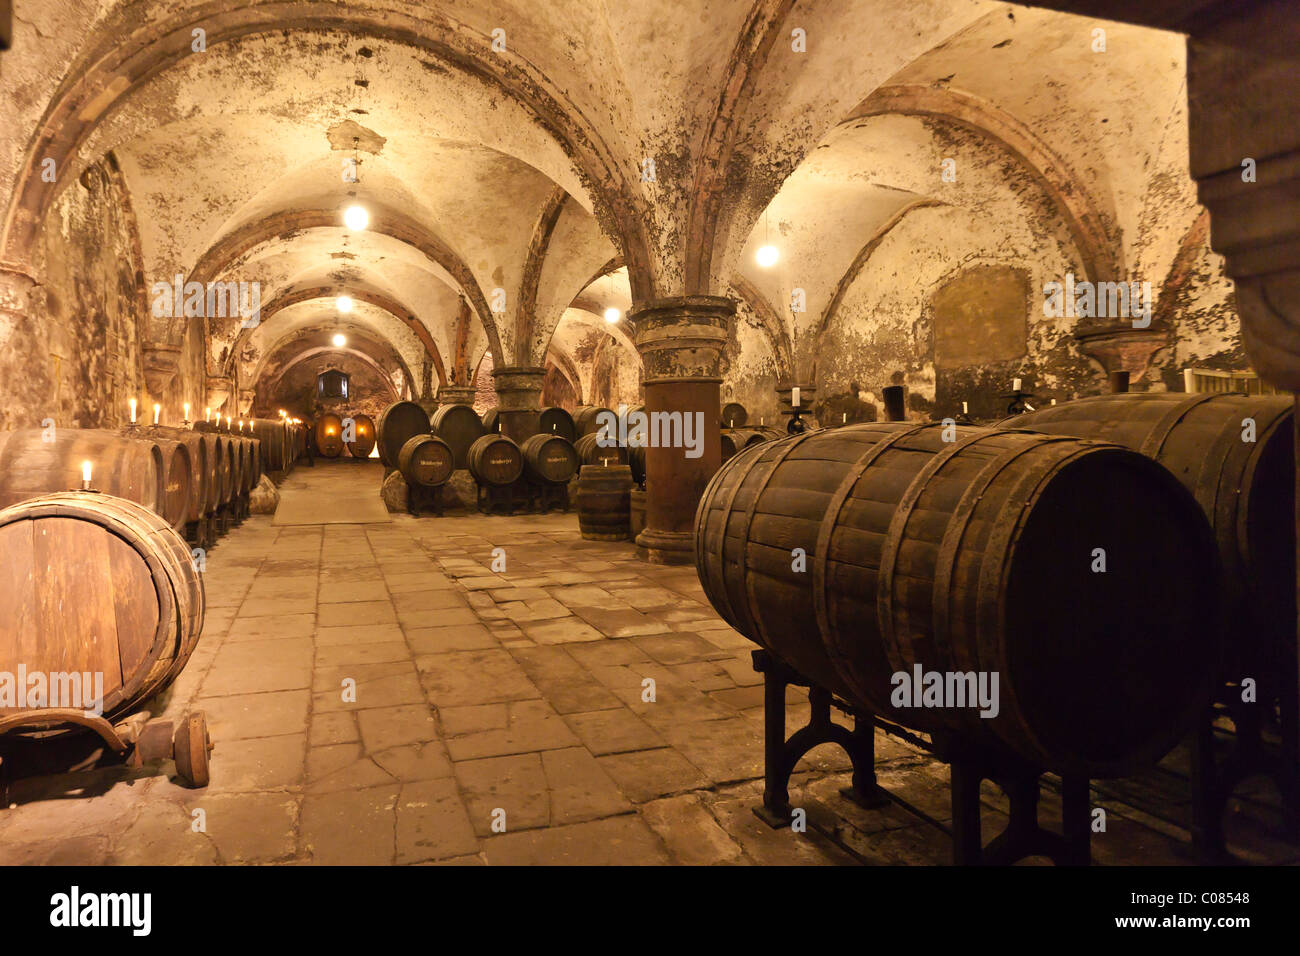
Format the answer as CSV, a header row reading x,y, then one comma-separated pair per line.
x,y
612,315
356,218
340,340
344,303
767,256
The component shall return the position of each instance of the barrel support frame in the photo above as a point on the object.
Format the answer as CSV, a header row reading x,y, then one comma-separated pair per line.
x,y
971,764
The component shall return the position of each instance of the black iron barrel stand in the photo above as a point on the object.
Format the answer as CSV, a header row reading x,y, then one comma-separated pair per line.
x,y
971,764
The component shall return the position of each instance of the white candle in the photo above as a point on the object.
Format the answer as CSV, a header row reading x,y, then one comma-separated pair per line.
x,y
846,419
963,408
157,410
227,421
133,411
1053,401
794,396
187,411
85,474
207,413
1015,385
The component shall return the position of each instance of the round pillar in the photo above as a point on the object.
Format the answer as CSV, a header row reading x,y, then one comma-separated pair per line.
x,y
519,399
681,343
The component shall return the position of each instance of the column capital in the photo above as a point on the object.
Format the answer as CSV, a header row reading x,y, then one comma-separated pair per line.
x,y
682,336
161,364
456,395
1123,350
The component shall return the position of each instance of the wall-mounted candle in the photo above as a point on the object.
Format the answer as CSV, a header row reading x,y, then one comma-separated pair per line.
x,y
157,411
187,411
85,475
1015,385
794,397
963,408
133,411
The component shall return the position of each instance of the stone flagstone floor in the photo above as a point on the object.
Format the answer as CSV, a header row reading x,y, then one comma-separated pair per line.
x,y
478,693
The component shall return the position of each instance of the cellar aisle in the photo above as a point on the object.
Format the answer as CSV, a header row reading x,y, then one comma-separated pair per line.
x,y
476,691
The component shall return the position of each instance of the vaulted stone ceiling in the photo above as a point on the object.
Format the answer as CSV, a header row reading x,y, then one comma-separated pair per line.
x,y
511,154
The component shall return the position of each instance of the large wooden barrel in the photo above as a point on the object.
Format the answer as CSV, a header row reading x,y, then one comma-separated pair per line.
x,y
398,424
554,420
591,452
973,556
734,415
275,451
604,502
329,435
95,584
1246,489
495,460
426,460
363,427
584,418
238,464
549,459
31,466
459,426
492,420
199,448
177,472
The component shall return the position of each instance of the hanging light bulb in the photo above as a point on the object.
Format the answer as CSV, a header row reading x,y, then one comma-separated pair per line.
x,y
340,340
767,256
356,218
612,315
344,303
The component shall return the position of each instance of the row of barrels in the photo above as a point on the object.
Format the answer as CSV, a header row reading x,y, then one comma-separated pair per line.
x,y
494,460
184,475
1070,552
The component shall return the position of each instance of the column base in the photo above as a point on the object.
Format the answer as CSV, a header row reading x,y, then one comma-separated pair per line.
x,y
666,547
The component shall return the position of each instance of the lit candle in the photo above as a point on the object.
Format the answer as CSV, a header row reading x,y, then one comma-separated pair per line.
x,y
157,410
963,408
1015,385
207,414
846,419
1053,401
85,475
227,421
794,397
187,411
133,411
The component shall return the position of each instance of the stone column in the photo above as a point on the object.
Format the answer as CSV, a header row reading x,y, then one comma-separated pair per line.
x,y
681,342
519,399
456,395
24,369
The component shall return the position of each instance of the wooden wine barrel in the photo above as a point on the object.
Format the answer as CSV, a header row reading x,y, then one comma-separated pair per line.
x,y
591,452
274,437
459,426
549,459
238,464
364,432
399,423
734,415
227,471
604,502
91,583
426,460
973,556
495,460
329,435
636,512
492,420
584,418
1245,488
554,420
177,474
255,462
31,466
200,448
247,451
